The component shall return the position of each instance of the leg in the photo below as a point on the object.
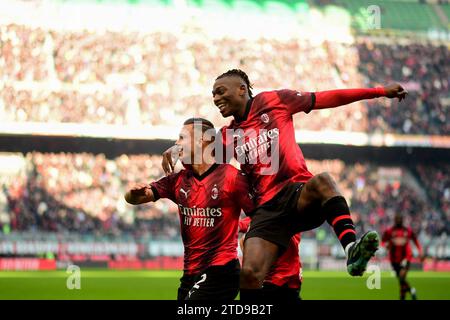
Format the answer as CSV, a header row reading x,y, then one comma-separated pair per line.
x,y
397,268
321,200
269,234
404,286
258,257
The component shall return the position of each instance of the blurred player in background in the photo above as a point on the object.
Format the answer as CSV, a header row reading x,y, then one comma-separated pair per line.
x,y
397,241
289,199
210,197
284,280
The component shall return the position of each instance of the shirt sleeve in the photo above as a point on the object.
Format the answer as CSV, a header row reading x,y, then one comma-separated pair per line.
x,y
244,224
297,101
340,97
165,187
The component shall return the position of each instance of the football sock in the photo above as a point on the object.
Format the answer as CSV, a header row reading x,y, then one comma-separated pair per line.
x,y
338,216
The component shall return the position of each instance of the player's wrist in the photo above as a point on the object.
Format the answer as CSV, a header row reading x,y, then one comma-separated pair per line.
x,y
380,91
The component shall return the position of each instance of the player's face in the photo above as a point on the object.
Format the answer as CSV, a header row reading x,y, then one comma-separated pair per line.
x,y
398,221
190,141
186,143
229,95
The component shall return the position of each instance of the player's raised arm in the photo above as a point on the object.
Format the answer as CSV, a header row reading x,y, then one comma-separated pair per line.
x,y
140,193
169,159
336,98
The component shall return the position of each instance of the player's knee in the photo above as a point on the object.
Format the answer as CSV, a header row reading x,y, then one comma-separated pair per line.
x,y
251,277
324,180
323,186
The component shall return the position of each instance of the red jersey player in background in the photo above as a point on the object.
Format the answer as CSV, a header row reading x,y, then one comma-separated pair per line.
x,y
397,241
284,280
288,197
210,197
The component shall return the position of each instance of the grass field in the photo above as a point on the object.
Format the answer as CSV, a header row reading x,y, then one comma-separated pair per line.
x,y
162,285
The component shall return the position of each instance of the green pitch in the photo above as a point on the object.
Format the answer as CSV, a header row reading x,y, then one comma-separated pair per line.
x,y
162,285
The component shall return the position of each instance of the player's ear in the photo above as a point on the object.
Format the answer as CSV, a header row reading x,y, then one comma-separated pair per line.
x,y
242,90
200,141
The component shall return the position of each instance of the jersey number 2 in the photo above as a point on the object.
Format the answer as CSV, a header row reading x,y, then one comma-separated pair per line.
x,y
197,284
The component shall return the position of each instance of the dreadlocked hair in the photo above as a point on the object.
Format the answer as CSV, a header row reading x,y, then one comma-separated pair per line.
x,y
241,74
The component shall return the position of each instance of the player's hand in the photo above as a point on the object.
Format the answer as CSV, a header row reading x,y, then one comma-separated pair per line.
x,y
140,189
168,163
395,91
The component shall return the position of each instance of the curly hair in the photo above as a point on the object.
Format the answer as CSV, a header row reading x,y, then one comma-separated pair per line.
x,y
241,74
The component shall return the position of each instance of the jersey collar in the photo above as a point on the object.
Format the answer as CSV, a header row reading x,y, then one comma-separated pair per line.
x,y
247,111
206,173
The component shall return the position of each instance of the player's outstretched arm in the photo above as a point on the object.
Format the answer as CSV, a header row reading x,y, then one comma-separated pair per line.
x,y
340,97
140,193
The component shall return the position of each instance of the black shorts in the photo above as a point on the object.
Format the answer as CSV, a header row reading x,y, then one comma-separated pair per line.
x,y
278,219
220,283
399,266
273,292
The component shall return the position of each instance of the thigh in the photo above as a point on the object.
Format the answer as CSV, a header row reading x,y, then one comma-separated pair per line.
x,y
397,268
259,254
308,213
404,268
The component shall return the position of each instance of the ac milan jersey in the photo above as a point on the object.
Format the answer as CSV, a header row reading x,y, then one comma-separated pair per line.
x,y
287,268
209,208
398,242
266,146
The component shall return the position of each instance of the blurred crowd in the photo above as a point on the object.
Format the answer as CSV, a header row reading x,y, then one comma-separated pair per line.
x,y
83,193
436,180
375,194
161,78
424,71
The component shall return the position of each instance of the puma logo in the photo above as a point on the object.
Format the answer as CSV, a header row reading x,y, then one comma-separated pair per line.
x,y
185,192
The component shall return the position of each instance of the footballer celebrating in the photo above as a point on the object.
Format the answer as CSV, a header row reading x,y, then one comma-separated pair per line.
x,y
210,197
288,197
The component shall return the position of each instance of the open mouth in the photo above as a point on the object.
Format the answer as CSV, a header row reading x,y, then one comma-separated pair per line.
x,y
222,107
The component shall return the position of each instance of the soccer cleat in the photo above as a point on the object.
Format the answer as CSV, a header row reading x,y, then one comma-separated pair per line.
x,y
360,253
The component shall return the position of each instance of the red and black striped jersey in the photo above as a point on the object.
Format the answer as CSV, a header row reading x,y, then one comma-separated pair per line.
x,y
209,207
267,149
397,240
